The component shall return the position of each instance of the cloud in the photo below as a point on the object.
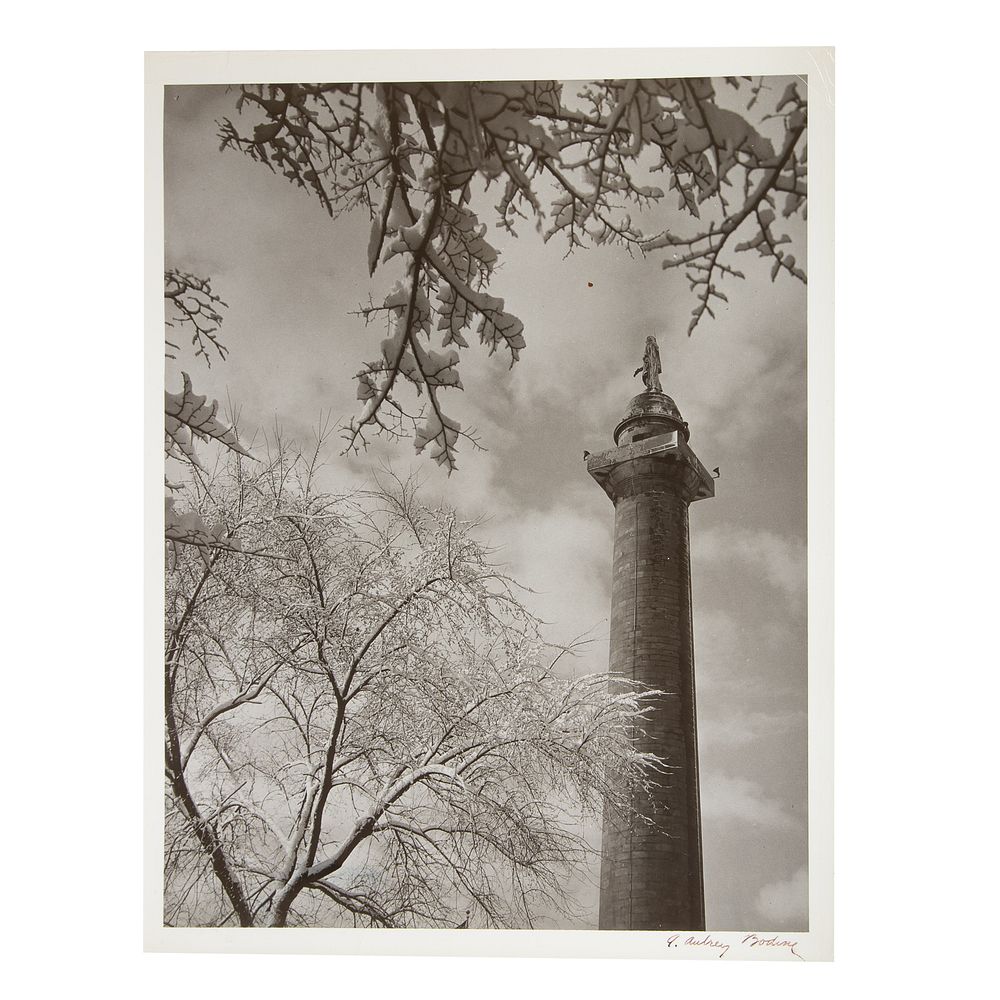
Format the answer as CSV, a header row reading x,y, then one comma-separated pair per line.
x,y
738,800
779,560
743,663
786,903
740,727
718,652
564,556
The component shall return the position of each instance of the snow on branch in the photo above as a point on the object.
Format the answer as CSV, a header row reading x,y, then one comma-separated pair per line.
x,y
188,416
576,165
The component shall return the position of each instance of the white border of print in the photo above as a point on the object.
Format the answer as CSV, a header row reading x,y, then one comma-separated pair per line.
x,y
163,69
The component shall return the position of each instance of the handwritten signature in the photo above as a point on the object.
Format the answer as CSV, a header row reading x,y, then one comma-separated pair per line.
x,y
722,947
754,941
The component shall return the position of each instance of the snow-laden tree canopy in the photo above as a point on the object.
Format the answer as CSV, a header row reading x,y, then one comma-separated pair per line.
x,y
580,162
363,725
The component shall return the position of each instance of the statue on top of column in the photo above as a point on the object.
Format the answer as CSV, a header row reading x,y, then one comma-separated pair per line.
x,y
650,367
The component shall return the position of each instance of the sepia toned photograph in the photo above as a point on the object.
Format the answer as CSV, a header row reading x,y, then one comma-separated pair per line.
x,y
486,503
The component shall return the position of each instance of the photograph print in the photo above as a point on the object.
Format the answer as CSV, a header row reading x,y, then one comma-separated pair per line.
x,y
485,540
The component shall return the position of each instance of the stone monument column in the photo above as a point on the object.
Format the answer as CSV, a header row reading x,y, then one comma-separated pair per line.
x,y
651,875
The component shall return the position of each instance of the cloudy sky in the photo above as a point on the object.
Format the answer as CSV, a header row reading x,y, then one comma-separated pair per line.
x,y
292,277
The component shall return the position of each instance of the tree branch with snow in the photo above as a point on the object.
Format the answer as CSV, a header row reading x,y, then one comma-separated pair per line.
x,y
577,165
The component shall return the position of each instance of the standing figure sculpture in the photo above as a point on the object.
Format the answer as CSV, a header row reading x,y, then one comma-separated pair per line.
x,y
650,367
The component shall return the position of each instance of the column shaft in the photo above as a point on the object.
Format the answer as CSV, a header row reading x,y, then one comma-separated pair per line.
x,y
651,876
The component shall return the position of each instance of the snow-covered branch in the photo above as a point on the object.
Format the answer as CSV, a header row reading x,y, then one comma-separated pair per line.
x,y
577,164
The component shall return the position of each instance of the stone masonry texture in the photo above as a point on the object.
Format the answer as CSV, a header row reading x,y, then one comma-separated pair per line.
x,y
651,875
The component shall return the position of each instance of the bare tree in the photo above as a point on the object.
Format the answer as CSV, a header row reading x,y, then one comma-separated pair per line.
x,y
577,163
362,722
